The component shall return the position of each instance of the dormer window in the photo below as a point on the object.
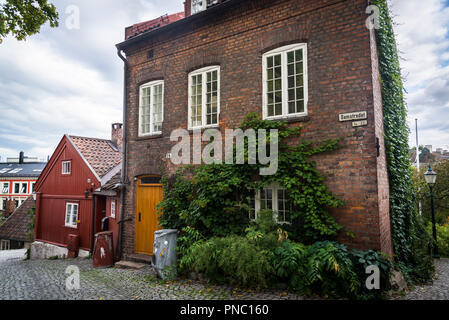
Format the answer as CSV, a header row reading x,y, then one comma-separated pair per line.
x,y
201,5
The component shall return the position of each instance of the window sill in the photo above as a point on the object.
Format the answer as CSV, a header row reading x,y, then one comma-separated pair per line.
x,y
215,126
290,119
71,227
149,137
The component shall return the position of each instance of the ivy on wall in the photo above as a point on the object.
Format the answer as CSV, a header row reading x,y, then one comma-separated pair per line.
x,y
405,224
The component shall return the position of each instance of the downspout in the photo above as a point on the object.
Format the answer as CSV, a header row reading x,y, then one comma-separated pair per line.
x,y
124,145
92,233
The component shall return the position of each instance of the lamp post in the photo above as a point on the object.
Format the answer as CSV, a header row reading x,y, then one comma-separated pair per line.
x,y
431,178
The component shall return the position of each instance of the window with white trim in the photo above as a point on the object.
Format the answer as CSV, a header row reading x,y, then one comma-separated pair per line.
x,y
3,203
5,187
151,108
204,97
201,5
271,197
66,167
20,187
71,215
285,91
113,209
5,244
32,186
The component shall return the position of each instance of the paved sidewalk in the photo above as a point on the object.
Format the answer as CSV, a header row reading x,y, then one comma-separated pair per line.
x,y
45,280
438,290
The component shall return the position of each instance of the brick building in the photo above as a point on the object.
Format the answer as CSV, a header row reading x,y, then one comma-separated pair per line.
x,y
301,61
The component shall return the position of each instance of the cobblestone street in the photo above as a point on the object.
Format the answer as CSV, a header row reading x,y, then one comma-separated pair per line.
x,y
45,280
438,290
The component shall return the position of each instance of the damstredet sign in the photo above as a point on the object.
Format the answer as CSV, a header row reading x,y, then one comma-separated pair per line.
x,y
360,115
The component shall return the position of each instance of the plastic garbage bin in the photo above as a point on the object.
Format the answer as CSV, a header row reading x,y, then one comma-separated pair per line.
x,y
164,253
103,254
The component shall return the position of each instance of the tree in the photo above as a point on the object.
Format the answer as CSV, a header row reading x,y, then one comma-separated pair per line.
x,y
441,193
23,18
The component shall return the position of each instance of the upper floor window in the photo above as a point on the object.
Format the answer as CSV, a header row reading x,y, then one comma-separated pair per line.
x,y
5,187
271,197
151,108
200,5
20,187
66,167
285,91
204,97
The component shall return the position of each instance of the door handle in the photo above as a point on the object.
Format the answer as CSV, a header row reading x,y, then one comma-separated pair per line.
x,y
140,217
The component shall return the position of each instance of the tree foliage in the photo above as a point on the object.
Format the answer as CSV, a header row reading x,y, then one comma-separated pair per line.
x,y
23,18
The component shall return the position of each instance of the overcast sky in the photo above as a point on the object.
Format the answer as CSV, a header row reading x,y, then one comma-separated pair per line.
x,y
69,80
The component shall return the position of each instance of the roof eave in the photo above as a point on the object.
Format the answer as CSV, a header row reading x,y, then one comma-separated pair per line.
x,y
197,16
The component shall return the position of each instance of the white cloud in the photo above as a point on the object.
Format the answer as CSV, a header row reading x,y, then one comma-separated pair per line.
x,y
422,29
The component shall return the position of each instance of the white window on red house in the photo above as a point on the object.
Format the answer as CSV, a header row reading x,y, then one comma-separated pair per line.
x,y
204,97
151,108
66,167
24,188
71,215
271,197
5,187
285,91
113,209
32,186
3,204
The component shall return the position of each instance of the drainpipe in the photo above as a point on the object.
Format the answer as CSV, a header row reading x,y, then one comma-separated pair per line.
x,y
124,145
92,235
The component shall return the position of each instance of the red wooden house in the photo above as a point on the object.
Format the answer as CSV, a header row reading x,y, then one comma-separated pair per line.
x,y
75,191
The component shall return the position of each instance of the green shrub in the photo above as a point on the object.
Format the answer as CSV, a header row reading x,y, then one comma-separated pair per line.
x,y
232,259
442,238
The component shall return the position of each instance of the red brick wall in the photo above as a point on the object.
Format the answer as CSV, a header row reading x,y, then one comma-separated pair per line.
x,y
342,78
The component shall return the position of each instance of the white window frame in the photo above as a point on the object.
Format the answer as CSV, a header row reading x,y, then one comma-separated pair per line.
x,y
113,207
70,224
32,184
64,169
283,51
20,187
5,245
204,5
203,72
3,187
3,207
275,187
150,85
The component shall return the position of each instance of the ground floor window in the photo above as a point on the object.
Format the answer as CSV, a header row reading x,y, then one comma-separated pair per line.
x,y
4,245
71,215
271,197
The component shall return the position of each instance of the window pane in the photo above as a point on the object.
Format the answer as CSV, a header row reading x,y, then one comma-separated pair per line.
x,y
295,82
196,100
212,97
145,110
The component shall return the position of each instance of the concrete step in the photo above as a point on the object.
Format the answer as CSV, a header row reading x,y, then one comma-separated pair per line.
x,y
129,265
140,258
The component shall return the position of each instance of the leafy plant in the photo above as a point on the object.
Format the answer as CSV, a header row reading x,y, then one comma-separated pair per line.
x,y
405,223
23,18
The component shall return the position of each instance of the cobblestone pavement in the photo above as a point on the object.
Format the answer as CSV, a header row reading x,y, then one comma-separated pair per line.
x,y
438,290
45,280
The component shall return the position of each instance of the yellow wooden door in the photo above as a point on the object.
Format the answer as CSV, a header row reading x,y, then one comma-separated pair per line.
x,y
148,197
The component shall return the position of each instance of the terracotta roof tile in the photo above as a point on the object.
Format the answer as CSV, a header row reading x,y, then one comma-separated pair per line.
x,y
142,27
16,227
102,155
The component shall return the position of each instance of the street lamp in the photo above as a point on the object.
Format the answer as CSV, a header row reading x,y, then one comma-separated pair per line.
x,y
431,178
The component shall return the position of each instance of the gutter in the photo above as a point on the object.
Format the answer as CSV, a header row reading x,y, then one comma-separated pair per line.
x,y
123,174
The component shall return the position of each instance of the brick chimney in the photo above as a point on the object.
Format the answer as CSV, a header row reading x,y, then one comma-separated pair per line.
x,y
10,207
117,134
21,157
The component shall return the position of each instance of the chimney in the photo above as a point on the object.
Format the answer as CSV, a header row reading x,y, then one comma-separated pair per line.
x,y
10,207
117,134
21,157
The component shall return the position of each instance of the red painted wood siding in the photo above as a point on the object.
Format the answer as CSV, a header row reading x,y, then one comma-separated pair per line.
x,y
56,189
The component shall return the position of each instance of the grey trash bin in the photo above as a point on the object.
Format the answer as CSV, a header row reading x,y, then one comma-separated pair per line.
x,y
164,253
